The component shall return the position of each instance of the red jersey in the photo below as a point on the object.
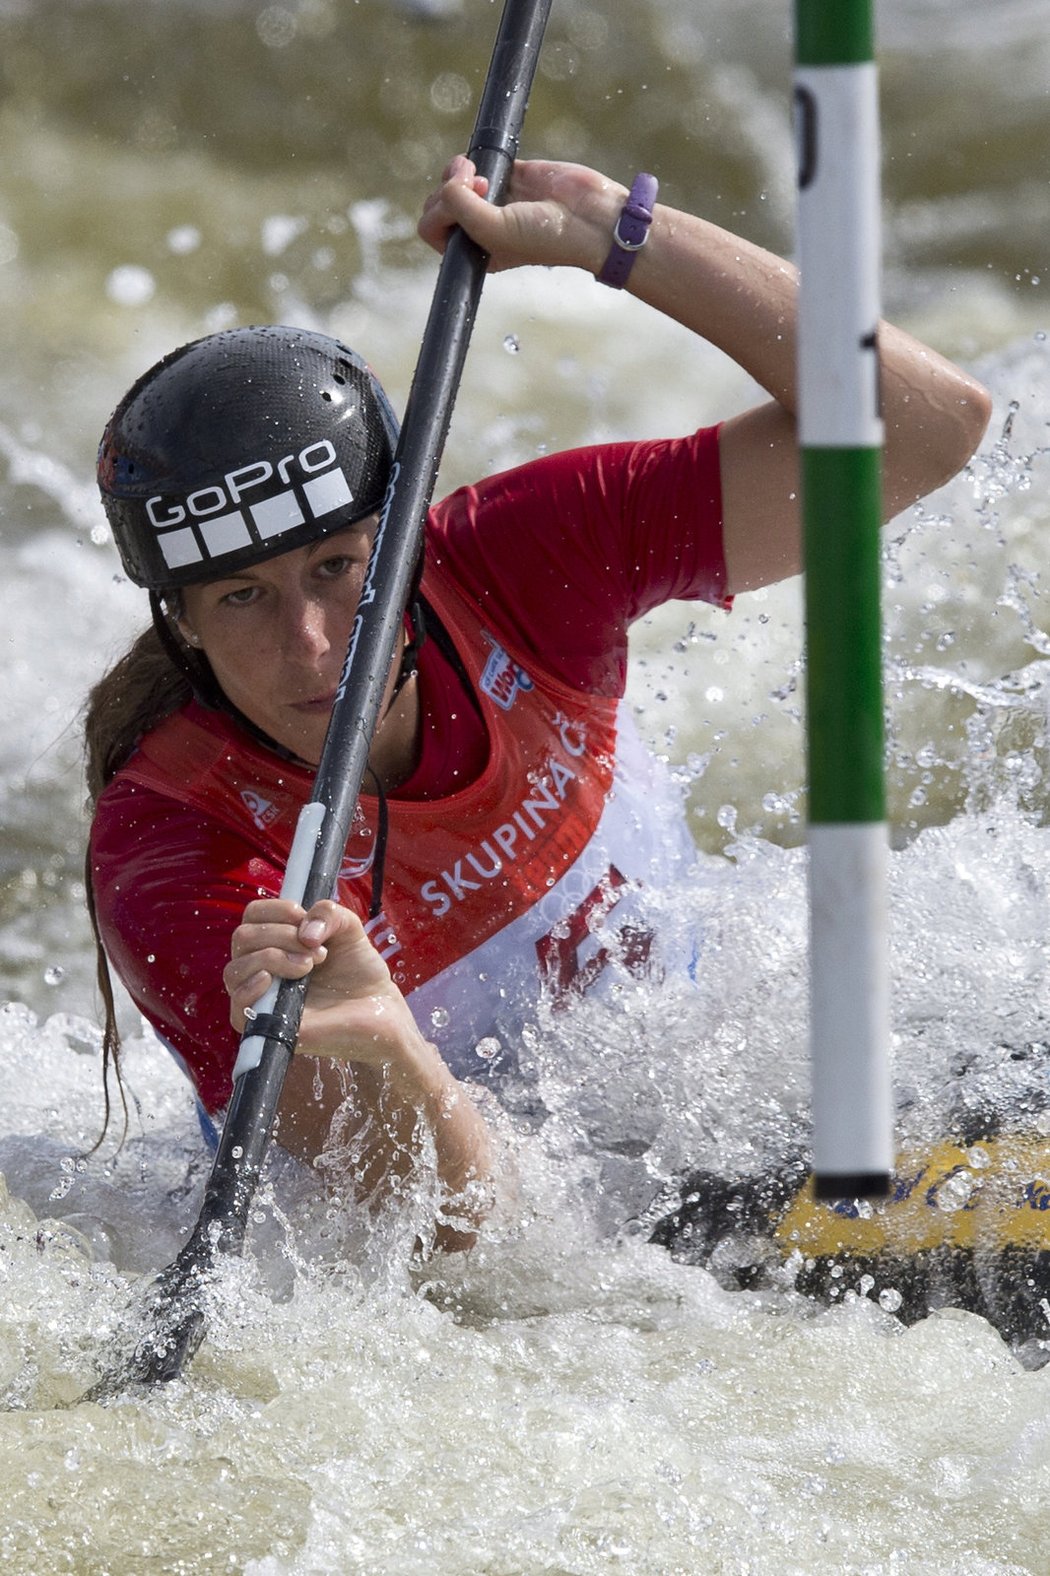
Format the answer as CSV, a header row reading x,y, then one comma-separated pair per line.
x,y
532,819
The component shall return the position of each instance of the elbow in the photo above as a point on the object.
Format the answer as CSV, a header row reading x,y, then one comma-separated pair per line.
x,y
958,421
974,412
931,438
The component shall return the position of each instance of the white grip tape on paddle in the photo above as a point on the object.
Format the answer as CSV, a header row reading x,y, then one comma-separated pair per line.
x,y
296,874
849,972
839,247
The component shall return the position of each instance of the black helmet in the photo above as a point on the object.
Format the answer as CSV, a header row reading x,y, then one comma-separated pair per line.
x,y
241,446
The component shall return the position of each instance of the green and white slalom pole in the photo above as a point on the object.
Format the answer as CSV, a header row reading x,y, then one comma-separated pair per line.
x,y
840,437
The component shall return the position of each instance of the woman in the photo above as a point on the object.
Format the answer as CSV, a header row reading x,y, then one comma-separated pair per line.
x,y
512,821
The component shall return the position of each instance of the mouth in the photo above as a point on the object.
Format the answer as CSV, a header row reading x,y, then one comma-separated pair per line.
x,y
320,705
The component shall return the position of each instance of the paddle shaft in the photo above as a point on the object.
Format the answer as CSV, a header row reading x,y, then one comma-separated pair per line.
x,y
324,824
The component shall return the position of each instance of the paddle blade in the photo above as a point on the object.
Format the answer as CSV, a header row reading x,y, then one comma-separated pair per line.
x,y
171,1317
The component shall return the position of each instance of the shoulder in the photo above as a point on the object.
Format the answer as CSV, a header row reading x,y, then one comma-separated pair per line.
x,y
145,846
152,833
594,478
575,546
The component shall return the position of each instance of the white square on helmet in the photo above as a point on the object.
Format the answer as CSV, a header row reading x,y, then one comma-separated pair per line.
x,y
328,492
275,515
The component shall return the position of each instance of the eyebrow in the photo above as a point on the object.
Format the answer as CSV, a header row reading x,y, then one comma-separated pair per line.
x,y
249,575
243,576
356,527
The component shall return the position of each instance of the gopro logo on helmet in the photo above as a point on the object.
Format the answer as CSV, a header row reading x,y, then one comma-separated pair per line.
x,y
221,519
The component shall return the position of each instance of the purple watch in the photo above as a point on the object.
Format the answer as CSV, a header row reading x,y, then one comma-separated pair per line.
x,y
631,232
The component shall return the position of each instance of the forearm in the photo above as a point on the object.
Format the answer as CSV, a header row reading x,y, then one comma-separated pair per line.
x,y
737,296
424,1101
400,1099
743,300
387,1118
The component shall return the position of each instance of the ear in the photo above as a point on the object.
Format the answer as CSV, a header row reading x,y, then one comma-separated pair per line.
x,y
187,632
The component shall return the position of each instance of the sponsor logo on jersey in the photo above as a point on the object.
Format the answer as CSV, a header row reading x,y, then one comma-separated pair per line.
x,y
581,945
262,811
502,679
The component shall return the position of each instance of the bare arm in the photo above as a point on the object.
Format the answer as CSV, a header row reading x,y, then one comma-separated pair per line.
x,y
741,299
354,1013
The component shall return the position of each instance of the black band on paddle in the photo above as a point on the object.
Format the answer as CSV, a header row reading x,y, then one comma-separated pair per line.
x,y
271,1027
851,1184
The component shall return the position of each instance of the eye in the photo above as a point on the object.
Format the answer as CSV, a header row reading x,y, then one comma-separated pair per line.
x,y
338,564
244,596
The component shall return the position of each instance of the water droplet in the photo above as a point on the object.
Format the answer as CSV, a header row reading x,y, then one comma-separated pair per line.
x,y
512,345
955,1192
439,1018
276,27
130,285
54,975
890,1299
183,239
488,1048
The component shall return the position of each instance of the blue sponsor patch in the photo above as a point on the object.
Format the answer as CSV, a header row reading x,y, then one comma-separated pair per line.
x,y
502,678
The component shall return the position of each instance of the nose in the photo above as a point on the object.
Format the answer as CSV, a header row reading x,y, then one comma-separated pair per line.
x,y
304,629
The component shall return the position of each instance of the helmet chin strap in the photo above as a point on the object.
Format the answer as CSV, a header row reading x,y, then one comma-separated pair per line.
x,y
409,665
194,666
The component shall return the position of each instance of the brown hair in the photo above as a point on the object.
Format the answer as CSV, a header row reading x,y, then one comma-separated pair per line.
x,y
137,693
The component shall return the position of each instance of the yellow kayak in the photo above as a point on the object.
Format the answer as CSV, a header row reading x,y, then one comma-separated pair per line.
x,y
966,1225
991,1194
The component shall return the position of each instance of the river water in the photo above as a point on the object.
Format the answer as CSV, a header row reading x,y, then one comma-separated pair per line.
x,y
570,1398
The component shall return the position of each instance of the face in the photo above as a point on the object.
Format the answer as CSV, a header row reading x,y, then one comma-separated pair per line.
x,y
276,634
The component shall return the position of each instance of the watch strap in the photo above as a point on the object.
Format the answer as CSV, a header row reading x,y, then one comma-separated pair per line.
x,y
631,231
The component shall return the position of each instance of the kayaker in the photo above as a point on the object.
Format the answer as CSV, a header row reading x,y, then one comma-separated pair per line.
x,y
513,823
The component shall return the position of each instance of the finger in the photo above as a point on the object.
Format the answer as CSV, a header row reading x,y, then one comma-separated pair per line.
x,y
246,992
243,999
272,910
255,938
271,961
327,920
458,168
452,204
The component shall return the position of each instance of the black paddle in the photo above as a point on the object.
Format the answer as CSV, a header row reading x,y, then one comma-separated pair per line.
x,y
175,1308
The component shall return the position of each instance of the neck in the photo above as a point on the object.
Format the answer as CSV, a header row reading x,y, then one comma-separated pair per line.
x,y
395,748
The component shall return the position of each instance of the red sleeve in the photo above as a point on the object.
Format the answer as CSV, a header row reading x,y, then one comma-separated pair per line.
x,y
575,546
170,888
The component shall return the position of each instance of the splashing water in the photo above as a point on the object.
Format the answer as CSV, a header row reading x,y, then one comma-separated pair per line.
x,y
569,1397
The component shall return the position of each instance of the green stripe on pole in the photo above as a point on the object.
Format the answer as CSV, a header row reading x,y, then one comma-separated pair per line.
x,y
841,34
841,490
